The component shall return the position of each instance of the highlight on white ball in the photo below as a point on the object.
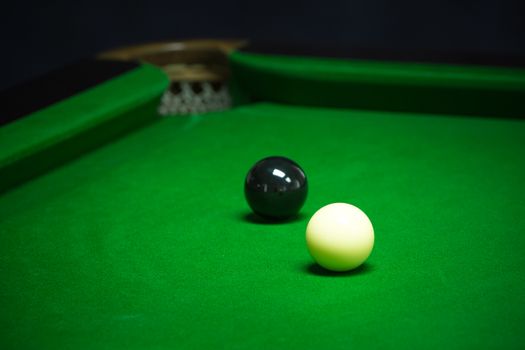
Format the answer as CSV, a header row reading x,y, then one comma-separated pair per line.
x,y
340,237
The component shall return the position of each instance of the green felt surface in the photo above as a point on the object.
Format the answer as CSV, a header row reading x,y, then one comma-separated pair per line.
x,y
146,243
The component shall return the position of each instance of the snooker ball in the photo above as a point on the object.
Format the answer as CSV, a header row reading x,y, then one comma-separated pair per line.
x,y
340,237
276,188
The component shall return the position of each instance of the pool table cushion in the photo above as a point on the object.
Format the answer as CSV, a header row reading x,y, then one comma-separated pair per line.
x,y
379,85
52,120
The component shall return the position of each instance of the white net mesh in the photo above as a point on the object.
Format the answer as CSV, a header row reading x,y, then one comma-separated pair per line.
x,y
195,98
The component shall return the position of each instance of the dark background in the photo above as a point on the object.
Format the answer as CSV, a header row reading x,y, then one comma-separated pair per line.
x,y
38,36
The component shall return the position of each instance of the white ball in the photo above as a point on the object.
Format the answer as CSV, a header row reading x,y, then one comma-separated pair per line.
x,y
340,237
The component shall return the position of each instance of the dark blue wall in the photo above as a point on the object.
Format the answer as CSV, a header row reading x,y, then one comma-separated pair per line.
x,y
40,35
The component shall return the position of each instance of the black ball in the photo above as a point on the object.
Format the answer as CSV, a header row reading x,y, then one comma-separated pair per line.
x,y
276,188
